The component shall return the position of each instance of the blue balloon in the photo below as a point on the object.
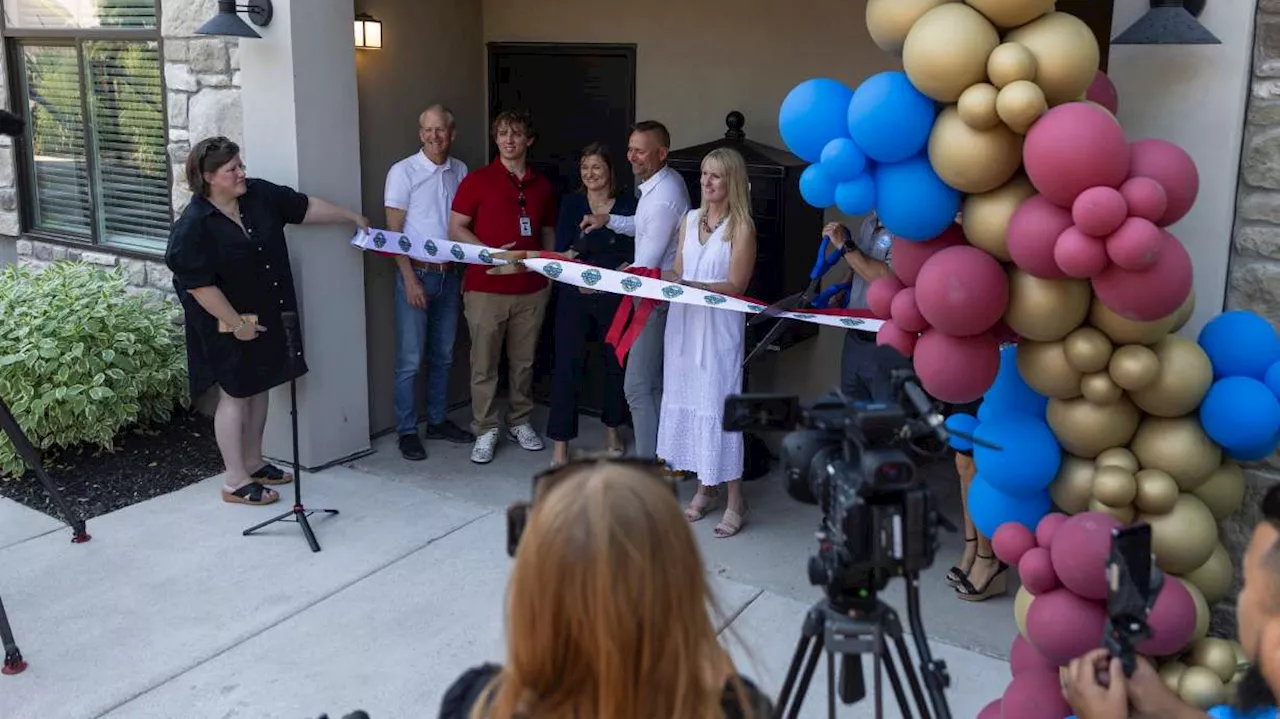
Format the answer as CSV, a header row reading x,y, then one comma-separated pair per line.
x,y
889,118
1240,413
1254,454
961,422
843,160
985,412
857,196
1273,379
1011,393
1240,344
817,188
813,114
1028,458
989,507
912,201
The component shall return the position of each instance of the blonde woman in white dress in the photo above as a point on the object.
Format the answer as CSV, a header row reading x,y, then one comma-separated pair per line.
x,y
704,345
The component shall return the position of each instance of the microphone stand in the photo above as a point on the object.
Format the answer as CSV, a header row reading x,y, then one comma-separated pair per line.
x,y
299,514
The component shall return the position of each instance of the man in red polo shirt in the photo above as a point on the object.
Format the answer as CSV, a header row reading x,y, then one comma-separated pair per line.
x,y
506,205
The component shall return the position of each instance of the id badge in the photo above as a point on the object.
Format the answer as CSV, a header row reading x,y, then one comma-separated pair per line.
x,y
526,227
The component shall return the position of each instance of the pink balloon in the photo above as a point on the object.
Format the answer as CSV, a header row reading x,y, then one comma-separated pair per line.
x,y
1145,197
956,369
1172,620
1150,294
906,313
1036,571
909,257
1173,168
1103,92
1025,658
1033,231
1080,549
1011,541
1098,211
1062,625
880,295
1034,695
1048,527
962,291
990,711
1079,255
1074,147
891,335
1135,245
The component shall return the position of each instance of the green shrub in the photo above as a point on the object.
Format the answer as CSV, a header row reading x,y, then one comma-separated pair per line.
x,y
82,359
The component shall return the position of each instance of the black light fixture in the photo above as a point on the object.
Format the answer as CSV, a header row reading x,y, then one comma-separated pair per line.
x,y
1169,22
228,23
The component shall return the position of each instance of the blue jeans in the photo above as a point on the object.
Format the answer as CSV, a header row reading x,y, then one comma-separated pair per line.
x,y
431,331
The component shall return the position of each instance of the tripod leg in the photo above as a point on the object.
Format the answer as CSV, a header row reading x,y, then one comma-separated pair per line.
x,y
893,628
28,452
935,672
13,663
306,528
273,520
896,682
811,642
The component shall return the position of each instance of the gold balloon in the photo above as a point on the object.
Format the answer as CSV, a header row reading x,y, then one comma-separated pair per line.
x,y
1203,615
1020,104
1201,688
1184,312
1045,310
1066,53
1099,388
986,215
1124,514
1088,350
1021,603
1214,577
1157,492
1043,366
1086,429
1072,489
1216,655
1007,14
1114,486
1179,447
972,160
977,106
1223,491
889,21
1010,62
1184,538
946,51
1182,381
1118,457
1171,673
1127,332
1134,367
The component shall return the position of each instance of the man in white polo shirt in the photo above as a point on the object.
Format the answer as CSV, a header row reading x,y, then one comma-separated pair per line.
x,y
419,192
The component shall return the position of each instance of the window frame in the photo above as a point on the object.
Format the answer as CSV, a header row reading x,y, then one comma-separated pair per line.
x,y
14,40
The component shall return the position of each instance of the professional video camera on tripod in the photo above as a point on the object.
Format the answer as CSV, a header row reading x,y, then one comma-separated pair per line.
x,y
879,522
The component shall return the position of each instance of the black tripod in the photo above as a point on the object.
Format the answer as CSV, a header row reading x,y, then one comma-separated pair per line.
x,y
827,628
299,514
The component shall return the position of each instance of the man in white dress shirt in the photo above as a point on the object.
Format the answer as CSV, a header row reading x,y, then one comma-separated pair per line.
x,y
664,201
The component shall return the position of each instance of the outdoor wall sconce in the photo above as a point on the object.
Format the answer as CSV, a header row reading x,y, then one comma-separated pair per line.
x,y
229,24
368,32
1169,22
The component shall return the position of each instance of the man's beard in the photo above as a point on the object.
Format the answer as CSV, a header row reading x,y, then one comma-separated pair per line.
x,y
1253,692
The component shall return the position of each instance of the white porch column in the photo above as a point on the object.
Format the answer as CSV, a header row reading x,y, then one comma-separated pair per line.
x,y
301,128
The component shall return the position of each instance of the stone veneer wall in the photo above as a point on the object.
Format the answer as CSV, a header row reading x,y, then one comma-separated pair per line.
x,y
202,78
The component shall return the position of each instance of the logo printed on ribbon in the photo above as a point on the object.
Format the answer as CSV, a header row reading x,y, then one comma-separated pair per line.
x,y
486,257
431,248
755,308
631,284
850,322
713,300
457,253
405,244
379,240
803,316
592,277
671,292
554,270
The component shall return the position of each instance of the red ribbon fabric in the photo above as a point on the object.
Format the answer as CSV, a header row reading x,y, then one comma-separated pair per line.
x,y
626,328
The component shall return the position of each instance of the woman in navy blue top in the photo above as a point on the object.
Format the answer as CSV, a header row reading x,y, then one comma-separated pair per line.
x,y
583,315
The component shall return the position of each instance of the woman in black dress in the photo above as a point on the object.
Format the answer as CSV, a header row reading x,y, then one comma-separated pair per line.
x,y
231,271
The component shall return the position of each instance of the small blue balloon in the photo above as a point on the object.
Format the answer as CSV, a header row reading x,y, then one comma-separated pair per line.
x,y
1254,454
857,196
843,160
817,188
889,118
961,422
1239,413
1273,379
1240,344
1028,458
1010,392
912,201
813,114
989,507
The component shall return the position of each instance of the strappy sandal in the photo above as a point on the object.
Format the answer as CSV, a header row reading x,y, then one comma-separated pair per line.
x,y
996,585
251,493
956,574
700,505
731,523
271,474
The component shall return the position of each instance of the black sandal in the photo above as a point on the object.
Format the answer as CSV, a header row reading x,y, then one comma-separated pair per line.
x,y
251,493
271,474
997,584
958,575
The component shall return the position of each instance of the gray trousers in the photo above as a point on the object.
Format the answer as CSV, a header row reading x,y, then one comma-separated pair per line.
x,y
643,382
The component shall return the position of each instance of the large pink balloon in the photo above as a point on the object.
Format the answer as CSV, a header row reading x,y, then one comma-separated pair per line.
x,y
1145,197
990,711
1103,92
1080,549
1079,255
1034,695
880,295
909,257
891,335
906,313
1011,541
1033,231
962,291
1173,168
956,369
1063,625
1036,571
1074,147
1098,211
1024,658
1048,527
1135,245
1150,294
1172,620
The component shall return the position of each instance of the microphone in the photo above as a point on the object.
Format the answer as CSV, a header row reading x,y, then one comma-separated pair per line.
x,y
292,334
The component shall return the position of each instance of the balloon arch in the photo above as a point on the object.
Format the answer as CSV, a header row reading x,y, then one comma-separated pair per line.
x,y
1034,269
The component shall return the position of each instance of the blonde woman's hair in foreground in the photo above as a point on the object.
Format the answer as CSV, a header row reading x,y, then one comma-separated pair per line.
x,y
727,162
607,607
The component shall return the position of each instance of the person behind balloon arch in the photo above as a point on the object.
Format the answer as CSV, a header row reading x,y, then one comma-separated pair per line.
x,y
979,575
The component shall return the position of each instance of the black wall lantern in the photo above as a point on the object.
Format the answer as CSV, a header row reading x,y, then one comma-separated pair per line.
x,y
229,24
1169,22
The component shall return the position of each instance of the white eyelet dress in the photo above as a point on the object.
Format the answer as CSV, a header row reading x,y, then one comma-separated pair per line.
x,y
702,364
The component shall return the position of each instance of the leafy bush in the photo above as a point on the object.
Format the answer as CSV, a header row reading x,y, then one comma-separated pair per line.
x,y
82,358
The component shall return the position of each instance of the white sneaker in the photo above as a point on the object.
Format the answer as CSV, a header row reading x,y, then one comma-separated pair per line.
x,y
482,450
525,436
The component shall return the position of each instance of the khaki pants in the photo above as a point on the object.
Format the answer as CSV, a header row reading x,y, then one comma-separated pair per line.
x,y
493,318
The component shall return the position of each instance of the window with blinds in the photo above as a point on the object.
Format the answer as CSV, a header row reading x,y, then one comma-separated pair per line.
x,y
80,14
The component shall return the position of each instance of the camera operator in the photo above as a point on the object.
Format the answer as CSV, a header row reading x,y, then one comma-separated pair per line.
x,y
606,610
1258,616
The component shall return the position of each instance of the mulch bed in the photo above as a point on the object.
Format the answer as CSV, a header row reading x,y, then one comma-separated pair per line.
x,y
146,463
